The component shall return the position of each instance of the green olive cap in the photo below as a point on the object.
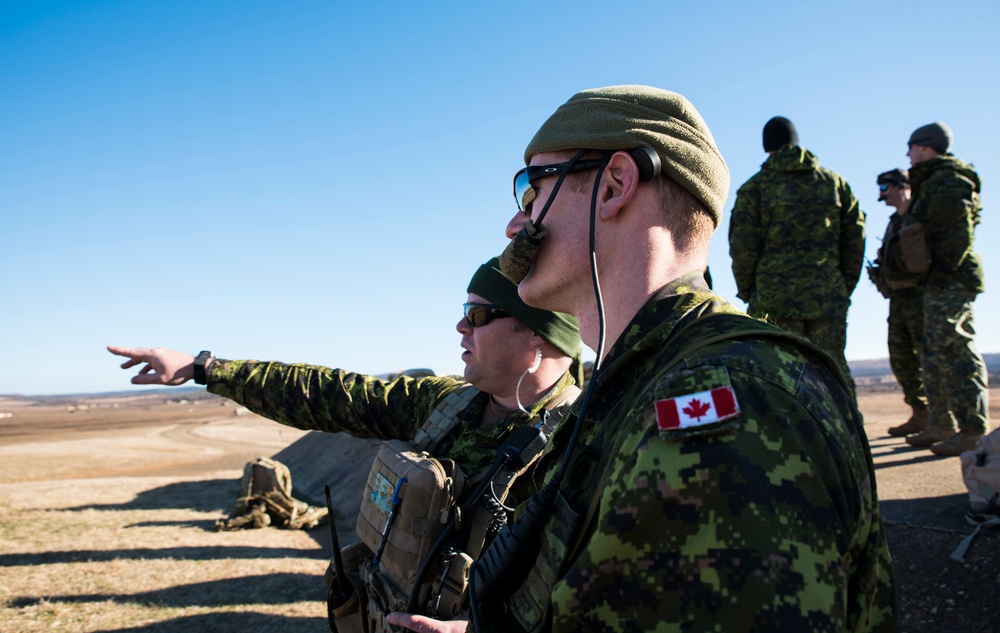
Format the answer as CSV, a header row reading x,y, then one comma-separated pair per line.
x,y
627,117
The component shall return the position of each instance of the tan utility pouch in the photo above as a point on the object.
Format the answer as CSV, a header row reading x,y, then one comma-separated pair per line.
x,y
914,249
427,496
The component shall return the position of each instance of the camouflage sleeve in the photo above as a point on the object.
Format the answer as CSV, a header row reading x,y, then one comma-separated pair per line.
x,y
852,238
951,221
754,525
324,399
745,239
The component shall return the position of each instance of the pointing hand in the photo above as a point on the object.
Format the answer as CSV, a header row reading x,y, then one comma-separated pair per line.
x,y
163,366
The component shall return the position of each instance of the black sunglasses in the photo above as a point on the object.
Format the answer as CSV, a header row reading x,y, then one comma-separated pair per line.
x,y
478,314
524,193
883,188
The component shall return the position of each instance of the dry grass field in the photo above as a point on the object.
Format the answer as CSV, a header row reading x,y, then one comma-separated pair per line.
x,y
108,505
107,522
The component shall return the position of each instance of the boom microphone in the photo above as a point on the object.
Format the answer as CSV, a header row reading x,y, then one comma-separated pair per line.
x,y
516,259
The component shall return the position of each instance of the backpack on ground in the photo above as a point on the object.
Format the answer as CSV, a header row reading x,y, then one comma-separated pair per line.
x,y
265,498
981,473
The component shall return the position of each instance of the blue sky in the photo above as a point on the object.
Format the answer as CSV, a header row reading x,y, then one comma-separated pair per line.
x,y
317,181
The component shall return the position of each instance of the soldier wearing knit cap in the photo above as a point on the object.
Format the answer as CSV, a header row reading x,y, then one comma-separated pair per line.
x,y
935,135
943,216
779,132
716,475
797,241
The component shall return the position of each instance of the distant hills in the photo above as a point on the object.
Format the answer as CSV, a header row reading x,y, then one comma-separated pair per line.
x,y
874,373
879,366
190,393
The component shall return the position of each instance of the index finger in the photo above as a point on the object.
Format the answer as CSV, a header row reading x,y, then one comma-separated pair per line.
x,y
131,352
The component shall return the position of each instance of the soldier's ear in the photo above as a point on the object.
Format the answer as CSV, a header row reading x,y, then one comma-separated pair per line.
x,y
619,183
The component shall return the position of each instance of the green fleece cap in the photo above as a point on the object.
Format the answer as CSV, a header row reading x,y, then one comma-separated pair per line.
x,y
627,117
937,135
562,330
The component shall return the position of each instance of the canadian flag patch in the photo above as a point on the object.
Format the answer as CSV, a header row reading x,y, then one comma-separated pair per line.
x,y
696,409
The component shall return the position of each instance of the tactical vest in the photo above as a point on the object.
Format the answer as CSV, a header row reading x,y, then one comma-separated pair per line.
x,y
905,254
410,497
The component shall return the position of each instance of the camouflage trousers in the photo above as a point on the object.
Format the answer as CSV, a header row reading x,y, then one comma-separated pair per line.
x,y
906,337
955,377
830,335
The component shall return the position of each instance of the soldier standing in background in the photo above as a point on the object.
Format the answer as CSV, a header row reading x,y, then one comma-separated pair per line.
x,y
939,231
905,295
797,240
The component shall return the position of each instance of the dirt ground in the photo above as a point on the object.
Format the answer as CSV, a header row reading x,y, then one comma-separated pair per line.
x,y
107,507
923,501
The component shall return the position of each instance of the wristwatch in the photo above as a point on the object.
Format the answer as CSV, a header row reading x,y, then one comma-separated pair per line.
x,y
199,367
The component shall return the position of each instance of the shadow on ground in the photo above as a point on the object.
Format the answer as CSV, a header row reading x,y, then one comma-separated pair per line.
x,y
943,513
164,553
229,622
939,595
280,588
201,496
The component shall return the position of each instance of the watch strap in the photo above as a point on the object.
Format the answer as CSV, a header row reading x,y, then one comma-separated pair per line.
x,y
199,367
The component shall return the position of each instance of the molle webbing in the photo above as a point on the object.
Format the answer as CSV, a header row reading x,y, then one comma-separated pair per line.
x,y
444,418
559,407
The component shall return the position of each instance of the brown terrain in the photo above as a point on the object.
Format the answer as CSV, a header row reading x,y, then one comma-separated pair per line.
x,y
108,505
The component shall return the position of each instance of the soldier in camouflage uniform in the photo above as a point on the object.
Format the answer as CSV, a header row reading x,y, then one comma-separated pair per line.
x,y
943,217
797,240
498,352
906,312
519,359
721,479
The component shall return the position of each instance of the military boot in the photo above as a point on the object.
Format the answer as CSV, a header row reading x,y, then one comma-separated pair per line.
x,y
929,436
958,444
919,421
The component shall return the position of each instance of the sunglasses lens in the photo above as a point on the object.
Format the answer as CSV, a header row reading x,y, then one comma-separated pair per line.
x,y
524,193
476,315
479,314
883,188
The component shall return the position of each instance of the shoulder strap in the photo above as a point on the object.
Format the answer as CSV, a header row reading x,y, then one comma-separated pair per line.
x,y
743,326
444,417
559,407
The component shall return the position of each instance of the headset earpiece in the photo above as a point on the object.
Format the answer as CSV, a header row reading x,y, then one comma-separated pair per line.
x,y
538,361
648,162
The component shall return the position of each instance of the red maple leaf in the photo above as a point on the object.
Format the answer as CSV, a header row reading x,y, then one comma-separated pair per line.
x,y
696,409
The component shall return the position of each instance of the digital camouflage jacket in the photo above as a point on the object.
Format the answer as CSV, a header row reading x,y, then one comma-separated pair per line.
x,y
761,515
797,239
946,200
324,399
